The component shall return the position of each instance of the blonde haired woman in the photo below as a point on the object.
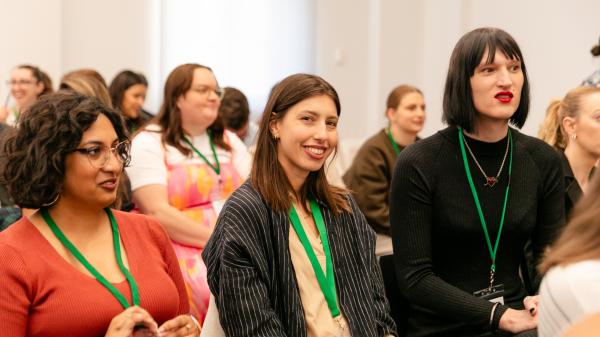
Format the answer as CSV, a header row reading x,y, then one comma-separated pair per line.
x,y
572,126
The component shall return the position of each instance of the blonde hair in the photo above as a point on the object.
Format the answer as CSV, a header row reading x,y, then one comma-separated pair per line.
x,y
580,239
551,130
86,85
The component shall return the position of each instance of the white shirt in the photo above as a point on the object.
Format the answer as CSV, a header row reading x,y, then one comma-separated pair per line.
x,y
567,295
148,167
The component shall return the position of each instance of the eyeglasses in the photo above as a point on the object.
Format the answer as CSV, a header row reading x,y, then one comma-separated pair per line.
x,y
206,90
20,82
99,155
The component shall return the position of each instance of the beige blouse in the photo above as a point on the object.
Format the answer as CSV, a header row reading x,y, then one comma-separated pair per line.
x,y
319,322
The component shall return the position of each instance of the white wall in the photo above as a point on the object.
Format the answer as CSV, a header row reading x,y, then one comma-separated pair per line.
x,y
30,33
416,38
112,35
363,47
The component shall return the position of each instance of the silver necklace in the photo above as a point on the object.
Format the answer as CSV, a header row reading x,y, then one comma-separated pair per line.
x,y
490,181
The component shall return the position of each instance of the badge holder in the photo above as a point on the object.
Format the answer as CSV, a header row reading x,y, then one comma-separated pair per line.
x,y
494,294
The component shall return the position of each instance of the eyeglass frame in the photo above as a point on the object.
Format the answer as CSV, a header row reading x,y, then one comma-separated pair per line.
x,y
22,82
107,150
205,90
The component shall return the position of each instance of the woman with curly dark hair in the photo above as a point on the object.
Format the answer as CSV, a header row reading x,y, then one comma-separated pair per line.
x,y
76,258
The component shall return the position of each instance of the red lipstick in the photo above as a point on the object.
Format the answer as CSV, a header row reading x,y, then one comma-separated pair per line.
x,y
504,96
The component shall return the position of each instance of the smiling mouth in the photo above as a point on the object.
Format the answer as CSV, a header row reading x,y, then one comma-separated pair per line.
x,y
314,150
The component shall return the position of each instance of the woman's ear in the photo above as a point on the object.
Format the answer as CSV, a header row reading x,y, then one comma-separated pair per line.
x,y
569,124
274,128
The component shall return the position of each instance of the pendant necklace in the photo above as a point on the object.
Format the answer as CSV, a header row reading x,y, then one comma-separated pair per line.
x,y
490,181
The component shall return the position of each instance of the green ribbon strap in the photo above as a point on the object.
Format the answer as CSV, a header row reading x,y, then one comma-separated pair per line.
x,y
117,247
394,144
493,251
217,166
327,280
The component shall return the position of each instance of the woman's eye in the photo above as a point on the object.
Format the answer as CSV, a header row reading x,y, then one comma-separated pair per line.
x,y
332,123
306,118
515,68
93,151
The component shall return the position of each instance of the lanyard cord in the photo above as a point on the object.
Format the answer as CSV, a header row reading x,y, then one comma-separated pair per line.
x,y
394,144
493,251
217,166
115,231
327,280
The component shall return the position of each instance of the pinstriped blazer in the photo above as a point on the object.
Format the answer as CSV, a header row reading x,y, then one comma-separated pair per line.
x,y
251,275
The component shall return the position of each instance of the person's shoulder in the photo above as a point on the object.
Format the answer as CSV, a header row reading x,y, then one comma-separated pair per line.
x,y
16,245
17,233
375,141
536,148
426,148
245,199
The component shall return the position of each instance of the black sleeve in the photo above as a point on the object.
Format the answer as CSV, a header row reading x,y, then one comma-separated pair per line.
x,y
411,216
550,212
384,322
240,291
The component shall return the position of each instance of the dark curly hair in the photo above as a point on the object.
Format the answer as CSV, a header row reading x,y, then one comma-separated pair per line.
x,y
34,154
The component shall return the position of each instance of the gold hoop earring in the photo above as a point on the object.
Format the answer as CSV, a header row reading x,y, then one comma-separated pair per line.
x,y
52,202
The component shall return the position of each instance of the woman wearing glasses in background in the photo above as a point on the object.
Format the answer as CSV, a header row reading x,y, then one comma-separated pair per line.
x,y
184,165
27,83
75,267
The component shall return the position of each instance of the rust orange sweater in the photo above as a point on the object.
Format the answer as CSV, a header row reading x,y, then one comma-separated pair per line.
x,y
41,294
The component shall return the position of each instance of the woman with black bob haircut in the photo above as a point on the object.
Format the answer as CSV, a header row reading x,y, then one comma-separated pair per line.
x,y
292,255
74,257
459,231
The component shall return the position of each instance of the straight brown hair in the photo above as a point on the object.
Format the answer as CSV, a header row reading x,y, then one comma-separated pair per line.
x,y
580,239
267,175
169,117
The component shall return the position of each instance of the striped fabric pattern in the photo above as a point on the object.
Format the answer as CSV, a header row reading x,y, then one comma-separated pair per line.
x,y
251,275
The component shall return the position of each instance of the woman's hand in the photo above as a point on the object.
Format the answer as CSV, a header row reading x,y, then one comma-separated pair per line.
x,y
531,304
516,321
123,325
180,326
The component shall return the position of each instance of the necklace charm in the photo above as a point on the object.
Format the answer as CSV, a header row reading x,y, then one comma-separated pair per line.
x,y
490,181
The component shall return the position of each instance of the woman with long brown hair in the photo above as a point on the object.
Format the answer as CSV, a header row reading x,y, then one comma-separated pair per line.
x,y
291,254
184,164
572,126
571,288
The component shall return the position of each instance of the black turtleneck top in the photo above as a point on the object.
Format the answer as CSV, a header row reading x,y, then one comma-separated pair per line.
x,y
440,250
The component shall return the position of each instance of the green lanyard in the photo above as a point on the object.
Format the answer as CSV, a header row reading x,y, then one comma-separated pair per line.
x,y
394,144
217,167
326,282
115,230
493,251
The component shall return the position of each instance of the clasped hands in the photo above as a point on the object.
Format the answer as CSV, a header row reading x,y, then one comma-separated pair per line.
x,y
137,322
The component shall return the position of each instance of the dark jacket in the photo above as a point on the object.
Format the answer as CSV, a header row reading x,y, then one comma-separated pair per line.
x,y
251,275
370,176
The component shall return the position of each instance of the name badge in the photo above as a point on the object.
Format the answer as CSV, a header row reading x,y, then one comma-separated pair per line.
x,y
494,294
